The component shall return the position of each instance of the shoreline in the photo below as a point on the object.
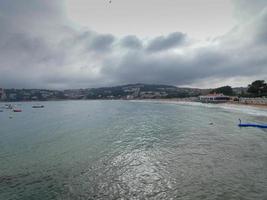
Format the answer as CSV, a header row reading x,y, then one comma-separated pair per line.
x,y
173,100
263,106
249,104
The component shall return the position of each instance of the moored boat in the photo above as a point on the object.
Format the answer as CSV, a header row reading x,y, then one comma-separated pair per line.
x,y
8,106
17,110
38,106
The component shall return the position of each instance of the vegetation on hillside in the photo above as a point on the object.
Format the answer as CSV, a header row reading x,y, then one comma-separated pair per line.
x,y
226,90
257,88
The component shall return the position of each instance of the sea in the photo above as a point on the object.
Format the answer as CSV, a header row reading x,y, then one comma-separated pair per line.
x,y
115,149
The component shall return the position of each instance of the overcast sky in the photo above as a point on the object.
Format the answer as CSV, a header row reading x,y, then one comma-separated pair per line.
x,y
63,44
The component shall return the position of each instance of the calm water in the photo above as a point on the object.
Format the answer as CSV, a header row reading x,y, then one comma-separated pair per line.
x,y
132,150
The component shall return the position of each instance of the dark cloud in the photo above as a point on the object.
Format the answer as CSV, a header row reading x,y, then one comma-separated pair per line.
x,y
179,70
164,43
32,16
39,50
102,42
131,42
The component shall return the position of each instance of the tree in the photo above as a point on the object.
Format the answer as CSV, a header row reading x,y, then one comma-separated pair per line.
x,y
258,88
226,90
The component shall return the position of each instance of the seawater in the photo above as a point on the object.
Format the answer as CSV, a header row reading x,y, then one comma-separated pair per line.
x,y
132,150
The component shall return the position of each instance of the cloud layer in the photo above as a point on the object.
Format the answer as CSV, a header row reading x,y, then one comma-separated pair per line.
x,y
39,48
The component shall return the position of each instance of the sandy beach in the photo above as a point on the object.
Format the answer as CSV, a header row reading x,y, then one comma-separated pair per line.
x,y
264,106
230,103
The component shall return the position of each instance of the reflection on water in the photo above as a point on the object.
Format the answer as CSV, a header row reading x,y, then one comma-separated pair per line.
x,y
131,150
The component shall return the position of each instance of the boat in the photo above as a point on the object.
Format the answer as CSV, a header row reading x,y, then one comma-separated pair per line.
x,y
17,110
252,125
38,106
8,106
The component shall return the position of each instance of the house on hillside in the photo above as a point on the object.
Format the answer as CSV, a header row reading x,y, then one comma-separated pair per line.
x,y
2,94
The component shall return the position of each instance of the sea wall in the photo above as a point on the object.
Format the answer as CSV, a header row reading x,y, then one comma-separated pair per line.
x,y
257,101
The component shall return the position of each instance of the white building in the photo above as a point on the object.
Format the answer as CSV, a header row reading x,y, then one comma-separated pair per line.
x,y
214,98
2,94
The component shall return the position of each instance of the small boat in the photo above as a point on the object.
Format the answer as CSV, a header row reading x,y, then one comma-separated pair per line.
x,y
251,125
38,106
1,111
17,110
8,106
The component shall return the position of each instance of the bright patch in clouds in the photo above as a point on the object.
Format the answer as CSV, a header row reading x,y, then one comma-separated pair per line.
x,y
150,18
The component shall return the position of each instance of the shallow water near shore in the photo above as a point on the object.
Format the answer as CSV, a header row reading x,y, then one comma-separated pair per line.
x,y
132,150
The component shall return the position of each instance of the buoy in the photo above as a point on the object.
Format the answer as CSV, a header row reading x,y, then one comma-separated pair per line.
x,y
17,110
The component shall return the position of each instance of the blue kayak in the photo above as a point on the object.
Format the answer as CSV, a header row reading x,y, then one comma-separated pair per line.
x,y
251,125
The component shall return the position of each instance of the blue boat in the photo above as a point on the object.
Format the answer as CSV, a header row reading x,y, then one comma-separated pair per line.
x,y
251,125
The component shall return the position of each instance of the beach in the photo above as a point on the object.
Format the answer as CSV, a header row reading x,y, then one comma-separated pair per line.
x,y
190,100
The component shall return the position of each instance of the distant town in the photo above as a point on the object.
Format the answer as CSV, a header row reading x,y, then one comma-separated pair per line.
x,y
133,91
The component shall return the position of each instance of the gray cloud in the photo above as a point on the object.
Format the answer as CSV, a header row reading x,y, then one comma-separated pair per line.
x,y
131,42
179,70
38,49
246,9
164,43
261,27
102,42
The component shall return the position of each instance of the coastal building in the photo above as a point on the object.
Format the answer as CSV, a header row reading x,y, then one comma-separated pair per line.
x,y
12,96
129,97
254,101
2,94
214,98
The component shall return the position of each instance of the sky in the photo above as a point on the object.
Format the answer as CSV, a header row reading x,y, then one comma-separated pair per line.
x,y
68,44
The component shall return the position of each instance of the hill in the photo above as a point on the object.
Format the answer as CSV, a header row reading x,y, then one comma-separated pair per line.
x,y
130,91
